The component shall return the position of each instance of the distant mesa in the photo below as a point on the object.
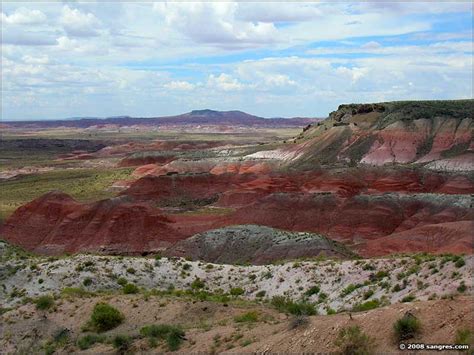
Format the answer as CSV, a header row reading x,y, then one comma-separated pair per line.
x,y
195,117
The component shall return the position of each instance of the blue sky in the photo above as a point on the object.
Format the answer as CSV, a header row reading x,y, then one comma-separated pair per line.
x,y
68,59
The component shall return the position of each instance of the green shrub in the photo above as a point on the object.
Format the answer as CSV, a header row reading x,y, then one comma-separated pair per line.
x,y
249,317
260,294
352,340
131,270
312,291
407,327
460,262
237,291
197,284
44,302
122,281
368,294
105,317
366,306
173,335
130,289
121,342
87,282
286,305
349,289
74,292
408,298
464,336
462,287
87,341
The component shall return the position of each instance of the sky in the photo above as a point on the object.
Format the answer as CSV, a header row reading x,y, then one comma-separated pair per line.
x,y
272,59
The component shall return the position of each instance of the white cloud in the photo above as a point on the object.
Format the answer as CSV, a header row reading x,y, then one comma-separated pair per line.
x,y
77,23
215,23
179,85
224,82
24,16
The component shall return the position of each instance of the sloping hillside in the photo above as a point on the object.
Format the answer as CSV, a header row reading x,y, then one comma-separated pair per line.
x,y
435,134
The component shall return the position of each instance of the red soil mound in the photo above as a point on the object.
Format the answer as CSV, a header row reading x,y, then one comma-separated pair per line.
x,y
56,223
360,207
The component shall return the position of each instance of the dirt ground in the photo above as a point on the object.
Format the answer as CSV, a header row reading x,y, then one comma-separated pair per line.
x,y
211,327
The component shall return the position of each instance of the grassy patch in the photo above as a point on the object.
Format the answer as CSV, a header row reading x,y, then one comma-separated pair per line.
x,y
352,340
249,317
82,184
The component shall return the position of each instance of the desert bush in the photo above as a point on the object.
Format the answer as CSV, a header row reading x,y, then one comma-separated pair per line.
x,y
122,281
352,340
105,317
460,263
249,317
237,291
88,340
121,342
462,287
173,335
312,291
298,321
464,336
407,327
286,305
260,294
130,289
408,298
87,281
74,292
44,303
366,306
131,270
197,284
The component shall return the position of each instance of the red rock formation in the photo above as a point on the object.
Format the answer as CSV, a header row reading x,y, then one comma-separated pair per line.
x,y
55,223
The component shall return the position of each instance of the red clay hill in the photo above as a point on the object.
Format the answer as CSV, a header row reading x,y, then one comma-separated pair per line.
x,y
380,178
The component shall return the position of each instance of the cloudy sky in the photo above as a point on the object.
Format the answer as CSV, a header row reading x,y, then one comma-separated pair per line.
x,y
68,59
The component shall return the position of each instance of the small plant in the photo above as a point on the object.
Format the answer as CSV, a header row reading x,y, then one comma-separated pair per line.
x,y
87,341
312,291
460,263
197,284
122,281
105,317
352,340
249,317
173,335
407,327
260,294
131,270
87,281
462,287
44,303
237,291
408,298
129,289
464,337
121,342
366,306
286,305
298,321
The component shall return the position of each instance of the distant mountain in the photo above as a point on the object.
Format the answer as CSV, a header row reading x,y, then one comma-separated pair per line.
x,y
195,117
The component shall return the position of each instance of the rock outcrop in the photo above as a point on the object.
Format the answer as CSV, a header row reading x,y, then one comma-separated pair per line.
x,y
256,245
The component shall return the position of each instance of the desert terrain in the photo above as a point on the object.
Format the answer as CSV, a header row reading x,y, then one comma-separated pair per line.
x,y
224,232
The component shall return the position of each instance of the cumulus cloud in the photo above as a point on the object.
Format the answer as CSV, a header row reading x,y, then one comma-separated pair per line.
x,y
23,16
215,23
271,59
77,23
224,82
179,85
